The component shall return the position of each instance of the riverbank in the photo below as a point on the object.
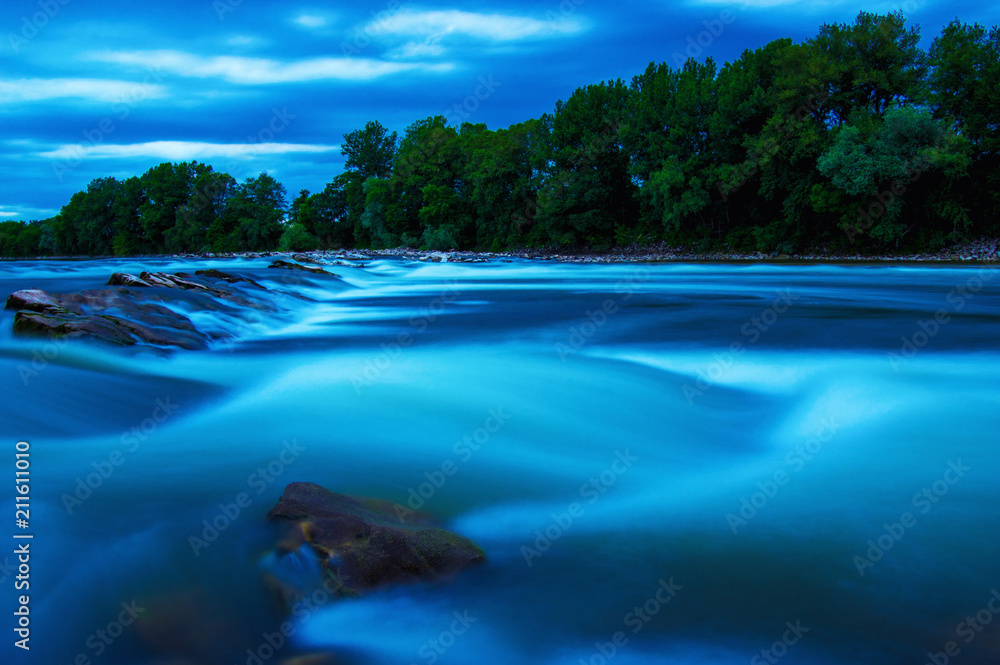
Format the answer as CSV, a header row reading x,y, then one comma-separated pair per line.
x,y
977,251
985,250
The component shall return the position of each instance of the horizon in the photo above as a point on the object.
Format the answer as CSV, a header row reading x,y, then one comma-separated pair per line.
x,y
248,89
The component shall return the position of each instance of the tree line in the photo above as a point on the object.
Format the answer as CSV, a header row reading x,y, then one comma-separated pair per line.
x,y
855,137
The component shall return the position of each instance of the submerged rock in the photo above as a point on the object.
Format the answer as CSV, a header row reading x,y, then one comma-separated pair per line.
x,y
107,328
288,265
125,279
226,277
362,546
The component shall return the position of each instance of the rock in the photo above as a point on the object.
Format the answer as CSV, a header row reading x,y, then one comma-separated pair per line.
x,y
288,265
105,327
126,315
36,300
72,325
305,258
194,625
169,281
125,279
366,546
226,277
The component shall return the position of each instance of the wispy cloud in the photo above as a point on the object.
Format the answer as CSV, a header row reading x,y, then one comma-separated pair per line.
x,y
418,50
493,27
24,213
262,71
310,21
95,90
183,150
242,40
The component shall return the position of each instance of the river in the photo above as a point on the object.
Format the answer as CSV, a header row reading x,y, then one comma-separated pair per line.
x,y
670,463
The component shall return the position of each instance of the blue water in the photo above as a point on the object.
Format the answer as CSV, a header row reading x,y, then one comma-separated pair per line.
x,y
664,463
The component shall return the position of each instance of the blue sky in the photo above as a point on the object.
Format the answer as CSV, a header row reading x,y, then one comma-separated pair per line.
x,y
91,88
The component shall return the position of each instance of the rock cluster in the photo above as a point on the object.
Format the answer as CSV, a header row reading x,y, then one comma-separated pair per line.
x,y
132,312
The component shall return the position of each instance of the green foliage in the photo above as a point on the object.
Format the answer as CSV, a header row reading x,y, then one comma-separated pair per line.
x,y
369,151
297,239
874,169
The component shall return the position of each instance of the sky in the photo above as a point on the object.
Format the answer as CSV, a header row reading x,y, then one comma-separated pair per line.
x,y
96,88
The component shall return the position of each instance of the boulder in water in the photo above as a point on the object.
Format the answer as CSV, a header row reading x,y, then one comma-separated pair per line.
x,y
226,277
128,315
366,546
125,279
288,265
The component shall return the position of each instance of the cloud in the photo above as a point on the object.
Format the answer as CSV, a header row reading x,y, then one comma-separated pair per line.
x,y
183,150
241,40
493,27
308,21
25,213
262,71
94,90
418,50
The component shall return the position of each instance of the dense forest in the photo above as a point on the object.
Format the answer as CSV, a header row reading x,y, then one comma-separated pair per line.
x,y
856,137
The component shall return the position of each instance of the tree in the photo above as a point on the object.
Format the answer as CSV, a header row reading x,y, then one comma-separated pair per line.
x,y
337,211
370,151
667,134
296,238
258,207
965,90
875,173
588,189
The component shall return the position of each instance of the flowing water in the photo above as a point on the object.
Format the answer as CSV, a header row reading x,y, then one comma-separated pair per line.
x,y
664,463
